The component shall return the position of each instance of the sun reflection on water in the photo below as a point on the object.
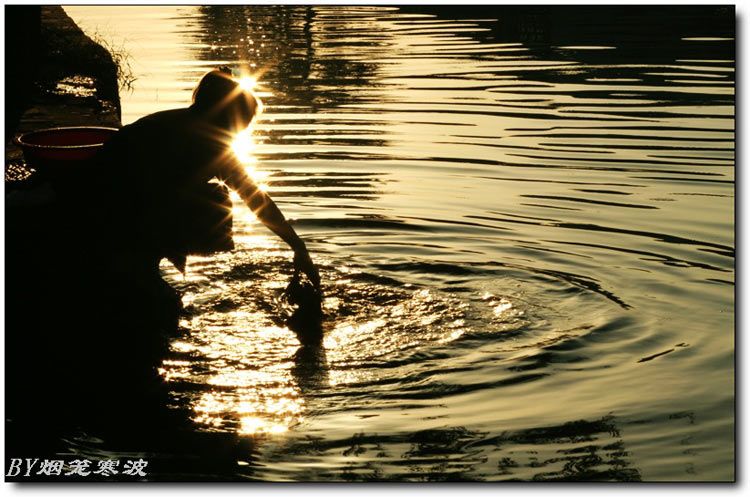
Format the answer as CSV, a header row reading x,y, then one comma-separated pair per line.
x,y
251,425
248,371
253,391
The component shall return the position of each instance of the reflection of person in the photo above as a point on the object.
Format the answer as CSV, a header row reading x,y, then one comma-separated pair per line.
x,y
154,167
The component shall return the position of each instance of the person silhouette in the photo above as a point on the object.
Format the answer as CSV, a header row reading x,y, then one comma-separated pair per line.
x,y
154,177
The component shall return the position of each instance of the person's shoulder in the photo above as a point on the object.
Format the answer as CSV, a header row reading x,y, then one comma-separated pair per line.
x,y
144,134
163,117
157,126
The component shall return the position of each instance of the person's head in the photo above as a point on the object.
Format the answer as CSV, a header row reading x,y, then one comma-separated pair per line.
x,y
221,100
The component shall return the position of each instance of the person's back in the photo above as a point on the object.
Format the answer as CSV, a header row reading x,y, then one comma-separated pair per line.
x,y
162,153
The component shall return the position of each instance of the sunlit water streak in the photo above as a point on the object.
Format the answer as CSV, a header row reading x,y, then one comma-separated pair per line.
x,y
525,230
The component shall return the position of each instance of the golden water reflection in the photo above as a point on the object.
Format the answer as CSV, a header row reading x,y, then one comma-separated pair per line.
x,y
252,388
248,372
252,380
235,353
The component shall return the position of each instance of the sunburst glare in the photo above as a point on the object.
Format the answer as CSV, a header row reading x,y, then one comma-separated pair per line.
x,y
248,83
243,146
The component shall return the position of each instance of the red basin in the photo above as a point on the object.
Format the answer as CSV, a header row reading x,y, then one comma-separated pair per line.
x,y
56,149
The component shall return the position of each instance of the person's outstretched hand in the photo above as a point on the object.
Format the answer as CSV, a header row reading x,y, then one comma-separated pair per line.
x,y
303,262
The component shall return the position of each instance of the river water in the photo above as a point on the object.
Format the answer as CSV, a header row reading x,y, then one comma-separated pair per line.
x,y
524,221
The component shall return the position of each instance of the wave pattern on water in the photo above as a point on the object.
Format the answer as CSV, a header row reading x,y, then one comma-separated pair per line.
x,y
524,220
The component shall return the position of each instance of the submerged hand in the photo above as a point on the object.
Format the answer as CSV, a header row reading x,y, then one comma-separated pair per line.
x,y
303,262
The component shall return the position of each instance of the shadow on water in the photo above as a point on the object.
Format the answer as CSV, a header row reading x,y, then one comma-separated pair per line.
x,y
312,62
646,35
295,44
581,450
310,368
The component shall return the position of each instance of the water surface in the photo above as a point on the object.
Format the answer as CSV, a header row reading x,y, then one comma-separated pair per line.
x,y
524,222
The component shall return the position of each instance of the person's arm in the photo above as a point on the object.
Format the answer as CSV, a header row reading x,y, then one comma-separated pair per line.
x,y
268,213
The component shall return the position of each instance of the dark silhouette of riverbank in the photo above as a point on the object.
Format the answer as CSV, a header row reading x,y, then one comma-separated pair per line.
x,y
82,346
